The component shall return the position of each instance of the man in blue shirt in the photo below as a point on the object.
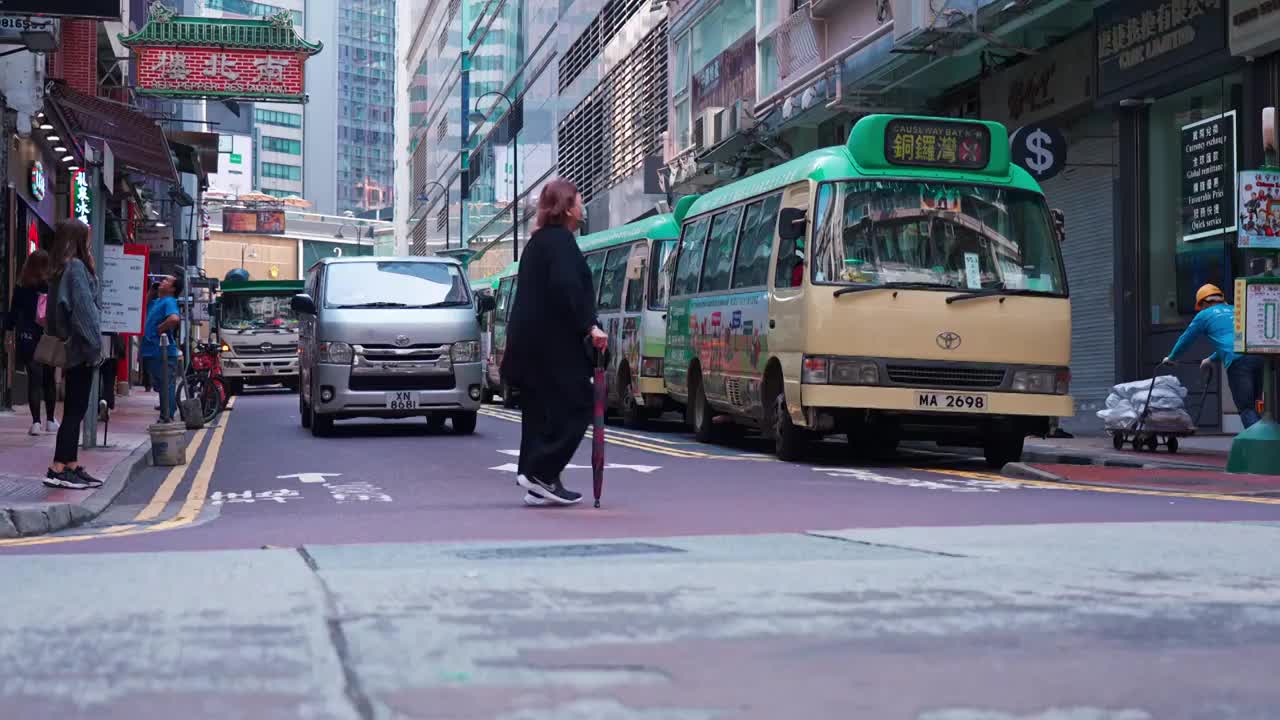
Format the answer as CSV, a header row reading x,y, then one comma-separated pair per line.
x,y
1215,320
163,318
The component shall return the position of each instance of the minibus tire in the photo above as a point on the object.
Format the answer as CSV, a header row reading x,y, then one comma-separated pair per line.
x,y
704,427
1003,448
464,423
634,417
789,441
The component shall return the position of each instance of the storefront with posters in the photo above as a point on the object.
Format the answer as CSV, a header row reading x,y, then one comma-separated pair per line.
x,y
1166,71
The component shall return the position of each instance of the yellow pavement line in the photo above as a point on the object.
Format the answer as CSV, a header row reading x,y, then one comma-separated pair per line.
x,y
515,417
186,515
164,493
1102,489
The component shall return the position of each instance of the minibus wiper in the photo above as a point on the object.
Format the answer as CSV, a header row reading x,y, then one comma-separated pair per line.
x,y
994,292
891,286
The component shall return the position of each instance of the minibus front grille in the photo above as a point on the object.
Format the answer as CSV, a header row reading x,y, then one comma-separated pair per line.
x,y
945,377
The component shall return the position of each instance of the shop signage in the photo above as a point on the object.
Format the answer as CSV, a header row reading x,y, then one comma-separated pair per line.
x,y
1056,81
1258,215
102,9
253,222
156,238
1253,27
39,182
1209,177
937,144
1039,149
1140,40
730,77
193,57
124,288
81,197
1257,317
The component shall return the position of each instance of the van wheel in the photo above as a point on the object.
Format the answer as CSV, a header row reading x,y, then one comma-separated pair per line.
x,y
304,411
464,423
435,423
1002,448
789,441
321,425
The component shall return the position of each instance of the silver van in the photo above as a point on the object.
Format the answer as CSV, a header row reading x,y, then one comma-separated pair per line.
x,y
389,338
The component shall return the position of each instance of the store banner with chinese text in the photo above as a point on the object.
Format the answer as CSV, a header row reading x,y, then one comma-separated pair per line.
x,y
1209,177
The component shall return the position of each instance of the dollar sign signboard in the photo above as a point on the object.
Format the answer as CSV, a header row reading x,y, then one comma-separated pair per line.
x,y
1040,150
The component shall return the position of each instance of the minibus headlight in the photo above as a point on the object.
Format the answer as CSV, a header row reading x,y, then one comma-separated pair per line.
x,y
815,371
1063,384
465,352
855,372
651,367
1035,381
334,353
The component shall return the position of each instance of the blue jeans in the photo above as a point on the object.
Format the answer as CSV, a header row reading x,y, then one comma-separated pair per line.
x,y
1244,377
168,402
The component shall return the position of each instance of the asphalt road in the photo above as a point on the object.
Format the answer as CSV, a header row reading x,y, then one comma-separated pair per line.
x,y
392,572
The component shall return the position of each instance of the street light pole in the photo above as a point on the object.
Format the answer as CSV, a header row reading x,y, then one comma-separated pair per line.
x,y
478,116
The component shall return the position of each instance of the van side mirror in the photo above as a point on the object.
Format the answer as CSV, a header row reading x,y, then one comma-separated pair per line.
x,y
792,224
302,304
1059,224
485,304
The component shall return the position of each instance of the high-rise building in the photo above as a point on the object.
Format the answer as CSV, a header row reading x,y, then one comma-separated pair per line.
x,y
351,113
573,89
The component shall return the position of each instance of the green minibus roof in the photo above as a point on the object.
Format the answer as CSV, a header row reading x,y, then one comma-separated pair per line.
x,y
864,157
261,286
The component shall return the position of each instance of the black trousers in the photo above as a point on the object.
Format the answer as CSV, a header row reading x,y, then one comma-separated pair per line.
x,y
78,381
107,381
42,383
550,432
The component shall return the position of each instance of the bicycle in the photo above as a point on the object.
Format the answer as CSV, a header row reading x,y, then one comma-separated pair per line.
x,y
203,381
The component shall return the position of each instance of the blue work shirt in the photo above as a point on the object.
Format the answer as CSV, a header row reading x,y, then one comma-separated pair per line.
x,y
1218,323
157,311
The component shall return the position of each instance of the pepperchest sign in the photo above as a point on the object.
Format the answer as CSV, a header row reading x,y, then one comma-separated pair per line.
x,y
192,57
1139,40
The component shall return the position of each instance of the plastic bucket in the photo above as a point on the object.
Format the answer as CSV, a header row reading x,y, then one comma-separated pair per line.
x,y
168,444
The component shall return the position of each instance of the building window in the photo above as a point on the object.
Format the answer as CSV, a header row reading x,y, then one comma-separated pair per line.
x,y
596,37
442,129
280,171
278,193
250,8
276,117
442,218
281,145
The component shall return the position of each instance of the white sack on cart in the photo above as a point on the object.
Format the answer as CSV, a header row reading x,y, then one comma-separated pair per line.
x,y
1159,401
1165,384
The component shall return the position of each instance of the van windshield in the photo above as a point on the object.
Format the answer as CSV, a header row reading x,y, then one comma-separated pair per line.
x,y
955,236
395,284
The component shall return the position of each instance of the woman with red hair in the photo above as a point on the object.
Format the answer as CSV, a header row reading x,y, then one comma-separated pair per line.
x,y
550,334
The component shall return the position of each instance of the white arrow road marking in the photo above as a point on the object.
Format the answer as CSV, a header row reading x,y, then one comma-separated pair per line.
x,y
308,477
646,469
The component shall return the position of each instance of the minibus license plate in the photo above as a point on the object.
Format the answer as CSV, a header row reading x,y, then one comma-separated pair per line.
x,y
952,402
402,401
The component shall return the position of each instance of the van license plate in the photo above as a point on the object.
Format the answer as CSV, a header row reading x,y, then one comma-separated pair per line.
x,y
952,402
402,401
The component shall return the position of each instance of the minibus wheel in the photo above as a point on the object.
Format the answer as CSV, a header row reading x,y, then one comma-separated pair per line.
x,y
789,441
633,416
703,417
1003,448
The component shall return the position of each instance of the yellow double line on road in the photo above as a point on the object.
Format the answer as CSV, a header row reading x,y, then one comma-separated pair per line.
x,y
186,514
636,441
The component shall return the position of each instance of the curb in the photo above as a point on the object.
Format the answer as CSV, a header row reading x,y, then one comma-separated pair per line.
x,y
1053,458
26,520
1023,471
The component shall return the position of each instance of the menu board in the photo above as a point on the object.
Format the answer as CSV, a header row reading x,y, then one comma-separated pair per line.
x,y
1209,177
124,277
937,144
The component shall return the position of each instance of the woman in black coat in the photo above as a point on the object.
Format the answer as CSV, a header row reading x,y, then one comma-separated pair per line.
x,y
550,336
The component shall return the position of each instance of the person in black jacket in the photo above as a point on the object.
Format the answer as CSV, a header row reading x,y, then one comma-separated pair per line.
x,y
41,382
550,336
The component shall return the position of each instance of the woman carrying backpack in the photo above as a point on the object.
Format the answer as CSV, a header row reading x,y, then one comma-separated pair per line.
x,y
30,303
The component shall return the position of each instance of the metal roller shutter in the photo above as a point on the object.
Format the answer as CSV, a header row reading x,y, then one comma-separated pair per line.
x,y
1084,192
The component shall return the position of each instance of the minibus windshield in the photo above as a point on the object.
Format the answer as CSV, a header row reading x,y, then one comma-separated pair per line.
x,y
952,236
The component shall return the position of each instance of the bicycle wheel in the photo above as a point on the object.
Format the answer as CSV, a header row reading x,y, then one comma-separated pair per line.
x,y
210,399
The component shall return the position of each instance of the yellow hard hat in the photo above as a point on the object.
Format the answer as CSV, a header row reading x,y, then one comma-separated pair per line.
x,y
1205,292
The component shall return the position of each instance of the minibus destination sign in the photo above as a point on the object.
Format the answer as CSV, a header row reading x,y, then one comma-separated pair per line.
x,y
937,144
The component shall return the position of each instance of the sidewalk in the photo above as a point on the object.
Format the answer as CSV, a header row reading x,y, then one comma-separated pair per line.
x,y
1198,468
27,507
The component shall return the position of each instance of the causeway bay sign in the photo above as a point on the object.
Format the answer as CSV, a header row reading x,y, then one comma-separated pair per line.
x,y
225,59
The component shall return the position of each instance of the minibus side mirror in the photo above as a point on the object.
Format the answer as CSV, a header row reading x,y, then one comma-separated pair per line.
x,y
485,304
792,224
1059,224
302,304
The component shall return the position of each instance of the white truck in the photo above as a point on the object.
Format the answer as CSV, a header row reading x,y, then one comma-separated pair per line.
x,y
259,333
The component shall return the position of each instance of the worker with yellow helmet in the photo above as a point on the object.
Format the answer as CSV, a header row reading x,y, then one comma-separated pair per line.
x,y
1215,320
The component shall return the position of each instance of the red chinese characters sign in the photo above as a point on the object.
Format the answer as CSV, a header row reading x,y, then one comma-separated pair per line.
x,y
223,73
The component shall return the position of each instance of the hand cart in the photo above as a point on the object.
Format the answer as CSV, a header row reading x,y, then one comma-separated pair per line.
x,y
1143,439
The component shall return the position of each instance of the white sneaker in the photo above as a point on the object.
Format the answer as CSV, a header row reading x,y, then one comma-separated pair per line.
x,y
35,429
534,501
51,426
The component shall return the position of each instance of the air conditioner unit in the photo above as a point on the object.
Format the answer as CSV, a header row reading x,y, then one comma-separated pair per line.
x,y
713,126
740,117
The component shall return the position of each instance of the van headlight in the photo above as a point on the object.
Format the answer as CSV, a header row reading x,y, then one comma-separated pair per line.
x,y
334,353
1043,382
465,352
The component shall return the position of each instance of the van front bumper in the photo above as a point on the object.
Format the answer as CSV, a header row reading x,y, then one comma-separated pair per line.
x,y
366,394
